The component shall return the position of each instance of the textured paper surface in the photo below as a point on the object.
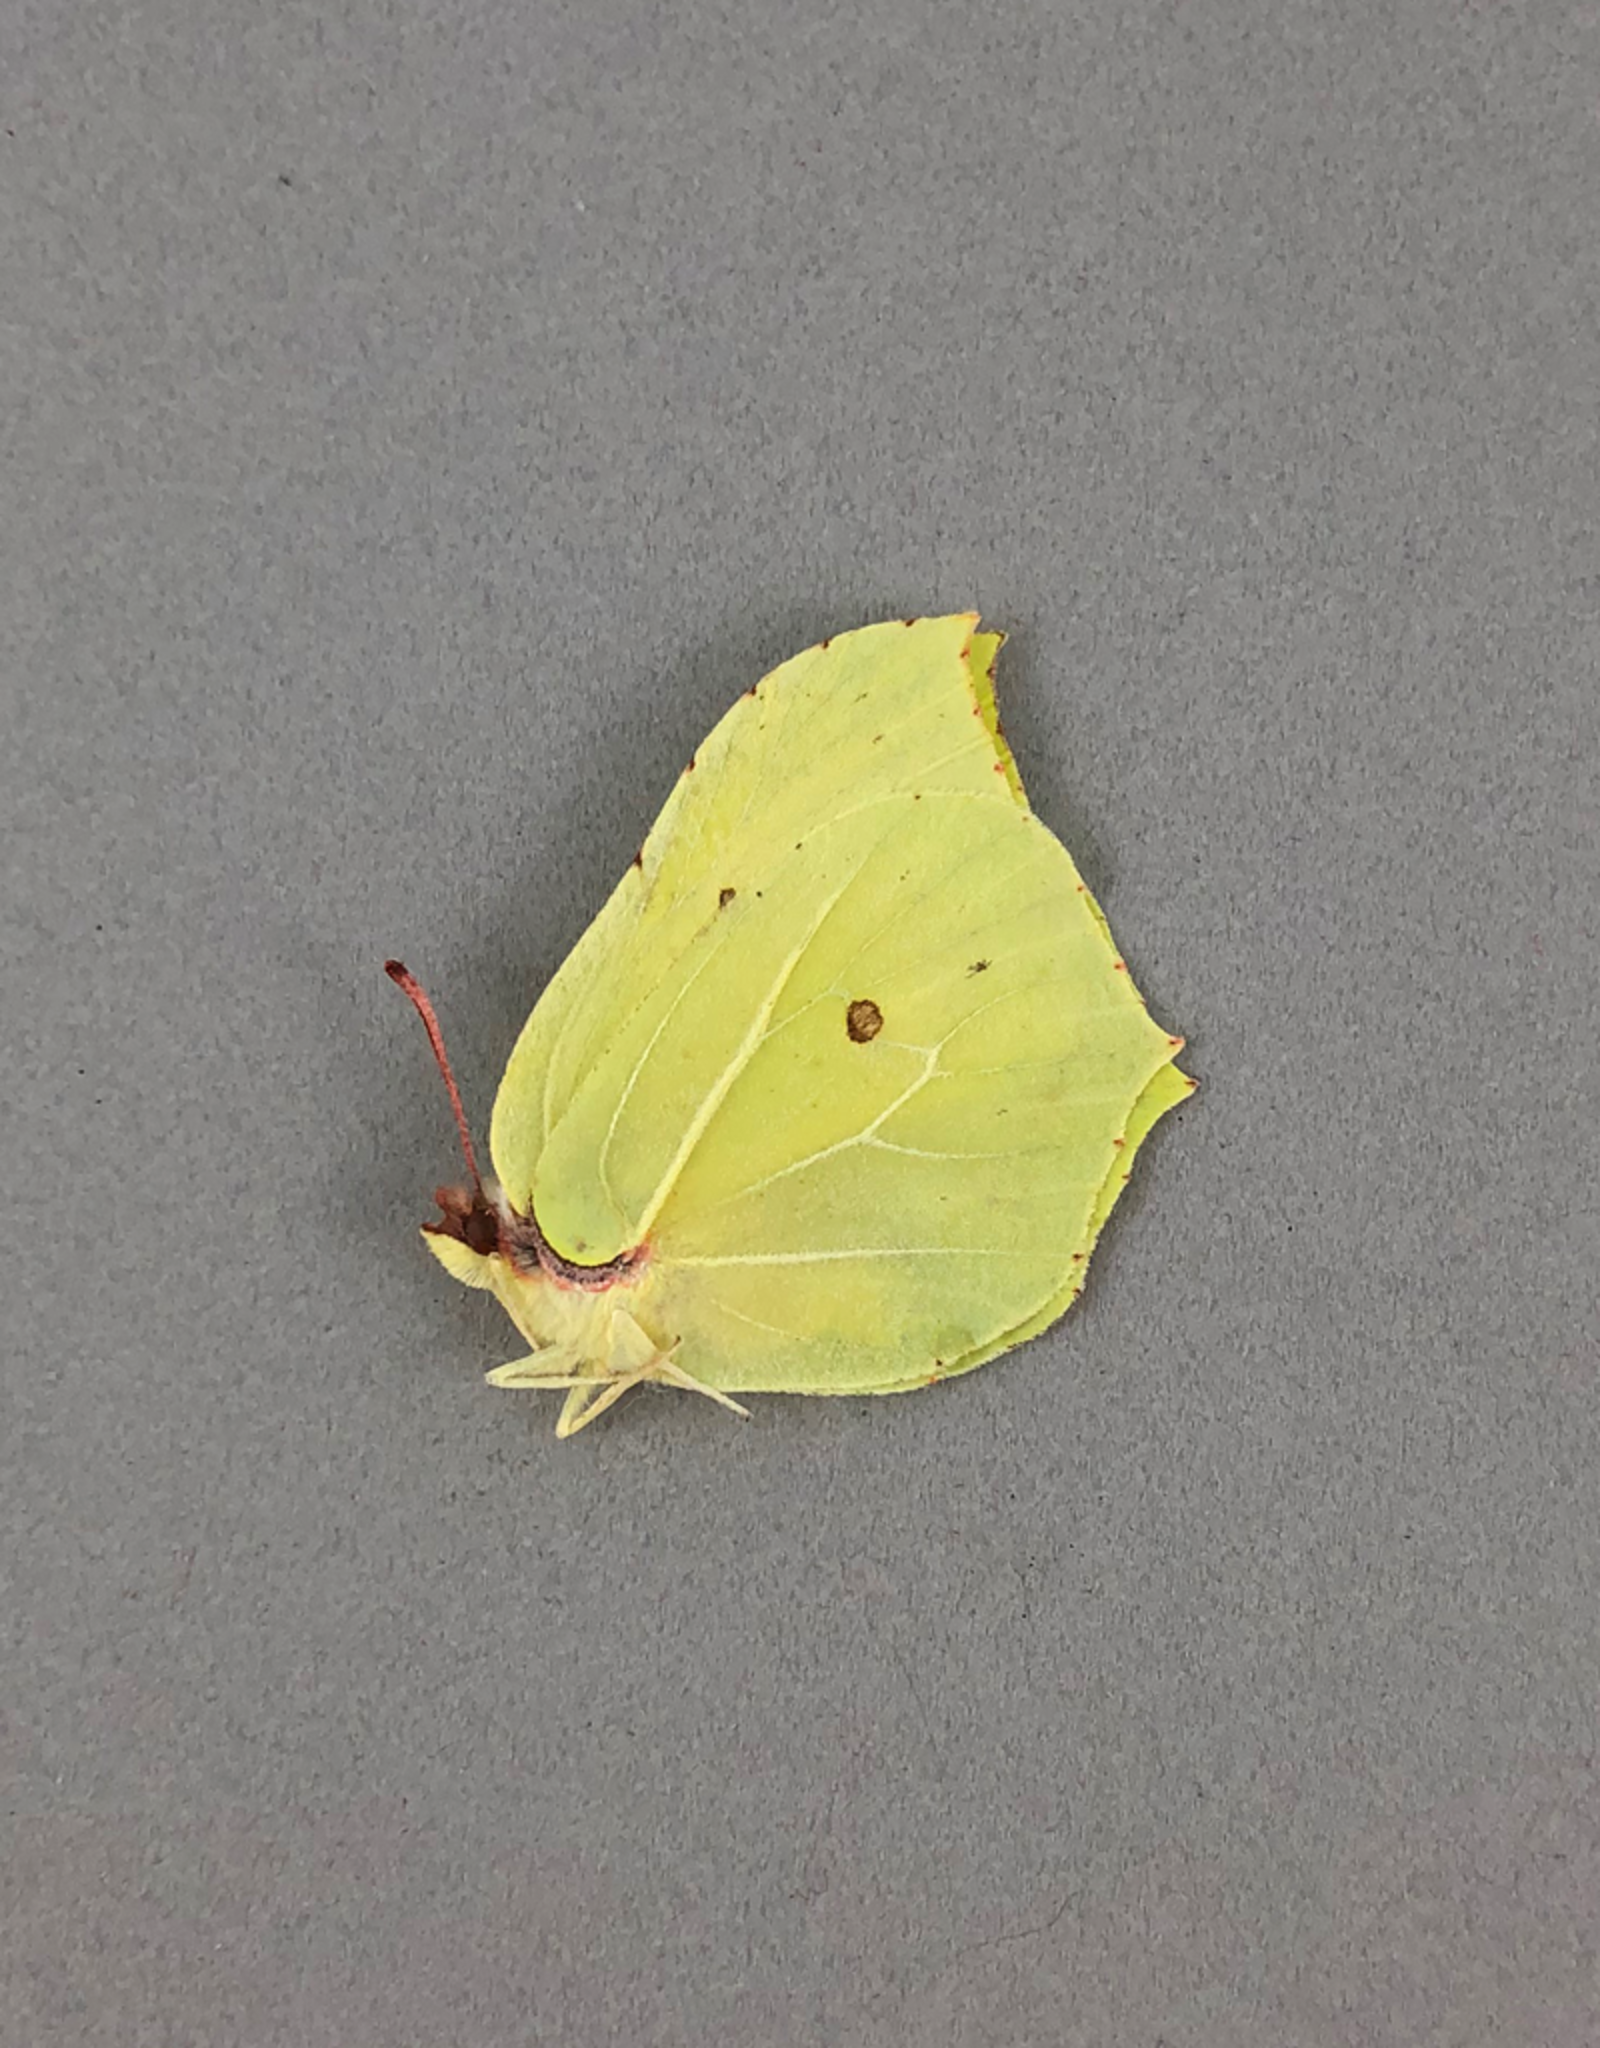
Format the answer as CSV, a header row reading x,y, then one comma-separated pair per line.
x,y
419,425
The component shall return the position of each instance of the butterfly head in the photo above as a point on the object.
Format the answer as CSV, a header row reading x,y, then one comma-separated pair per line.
x,y
478,1224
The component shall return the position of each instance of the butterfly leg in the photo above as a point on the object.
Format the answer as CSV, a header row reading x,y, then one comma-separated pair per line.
x,y
635,1349
539,1369
635,1358
670,1373
590,1392
582,1405
584,1399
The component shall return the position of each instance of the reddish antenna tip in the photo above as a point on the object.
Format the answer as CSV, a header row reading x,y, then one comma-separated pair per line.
x,y
409,986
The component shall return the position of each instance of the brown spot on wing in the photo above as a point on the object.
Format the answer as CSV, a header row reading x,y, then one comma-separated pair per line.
x,y
863,1020
725,897
978,967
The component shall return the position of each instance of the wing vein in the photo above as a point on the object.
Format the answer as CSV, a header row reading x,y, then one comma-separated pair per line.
x,y
716,1094
883,1251
639,1066
865,1136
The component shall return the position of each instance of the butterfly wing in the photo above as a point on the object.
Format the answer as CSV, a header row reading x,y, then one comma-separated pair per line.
x,y
855,1057
859,1213
864,716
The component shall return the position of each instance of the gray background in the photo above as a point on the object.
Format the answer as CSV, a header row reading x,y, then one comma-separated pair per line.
x,y
420,422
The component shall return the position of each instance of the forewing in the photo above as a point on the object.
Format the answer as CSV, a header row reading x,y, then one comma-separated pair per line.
x,y
884,712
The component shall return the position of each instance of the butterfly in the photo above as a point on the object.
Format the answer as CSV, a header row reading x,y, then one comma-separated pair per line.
x,y
836,1093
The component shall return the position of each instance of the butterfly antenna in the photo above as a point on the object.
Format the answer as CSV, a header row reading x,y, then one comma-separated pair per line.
x,y
407,983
